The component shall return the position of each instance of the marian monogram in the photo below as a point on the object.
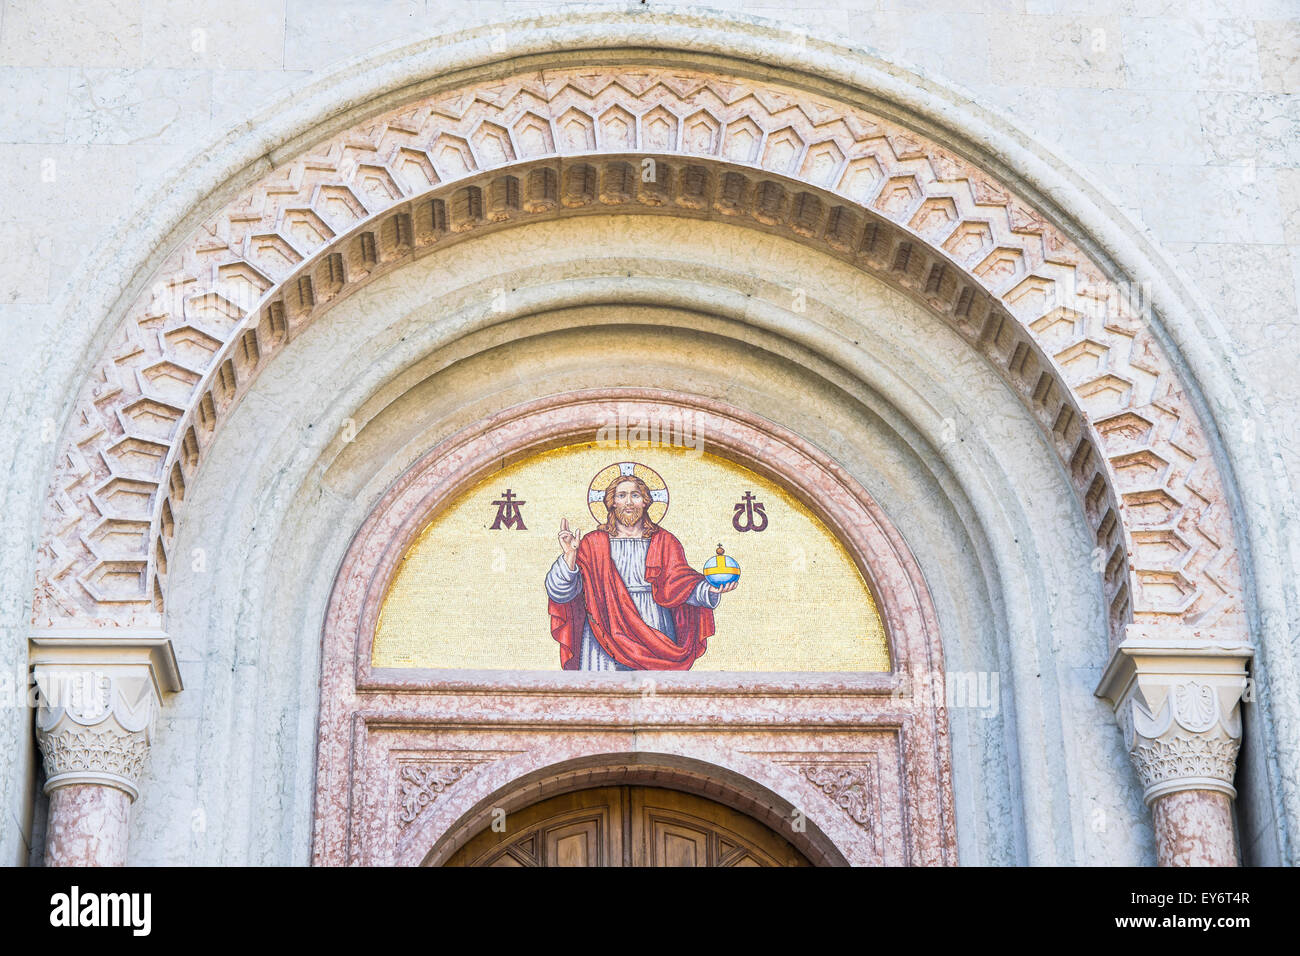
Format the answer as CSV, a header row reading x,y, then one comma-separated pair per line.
x,y
749,515
509,514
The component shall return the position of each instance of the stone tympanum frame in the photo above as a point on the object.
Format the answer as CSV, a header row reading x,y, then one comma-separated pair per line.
x,y
388,733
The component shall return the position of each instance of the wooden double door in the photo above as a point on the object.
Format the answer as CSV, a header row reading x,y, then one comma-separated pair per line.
x,y
628,826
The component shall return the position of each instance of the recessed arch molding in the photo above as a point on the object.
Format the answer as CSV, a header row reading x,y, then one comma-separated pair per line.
x,y
697,143
580,142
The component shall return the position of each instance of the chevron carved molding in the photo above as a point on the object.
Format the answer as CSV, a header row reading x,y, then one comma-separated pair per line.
x,y
572,142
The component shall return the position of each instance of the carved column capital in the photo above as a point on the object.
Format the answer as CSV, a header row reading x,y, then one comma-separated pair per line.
x,y
98,694
1177,696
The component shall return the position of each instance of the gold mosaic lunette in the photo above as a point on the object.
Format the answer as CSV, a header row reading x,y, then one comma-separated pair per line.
x,y
470,596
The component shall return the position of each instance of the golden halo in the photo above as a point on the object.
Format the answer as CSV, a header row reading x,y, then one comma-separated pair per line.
x,y
658,489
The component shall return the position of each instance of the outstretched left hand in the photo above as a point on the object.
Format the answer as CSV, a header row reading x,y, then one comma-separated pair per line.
x,y
725,588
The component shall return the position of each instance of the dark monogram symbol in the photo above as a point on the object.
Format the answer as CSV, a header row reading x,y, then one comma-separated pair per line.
x,y
508,513
749,508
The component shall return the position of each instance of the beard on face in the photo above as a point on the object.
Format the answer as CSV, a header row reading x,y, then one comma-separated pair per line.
x,y
625,517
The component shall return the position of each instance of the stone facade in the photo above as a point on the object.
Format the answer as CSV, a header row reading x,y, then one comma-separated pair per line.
x,y
1100,264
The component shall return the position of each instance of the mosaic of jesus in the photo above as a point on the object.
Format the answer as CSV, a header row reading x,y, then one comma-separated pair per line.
x,y
624,597
657,559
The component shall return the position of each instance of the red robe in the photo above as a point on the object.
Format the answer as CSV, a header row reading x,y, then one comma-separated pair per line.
x,y
605,603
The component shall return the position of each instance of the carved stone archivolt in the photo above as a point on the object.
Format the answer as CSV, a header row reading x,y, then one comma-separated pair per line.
x,y
609,139
690,142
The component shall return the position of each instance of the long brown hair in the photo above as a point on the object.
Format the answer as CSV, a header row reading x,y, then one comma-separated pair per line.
x,y
610,526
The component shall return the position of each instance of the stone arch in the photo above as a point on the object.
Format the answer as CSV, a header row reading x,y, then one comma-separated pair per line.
x,y
753,797
429,734
854,184
111,505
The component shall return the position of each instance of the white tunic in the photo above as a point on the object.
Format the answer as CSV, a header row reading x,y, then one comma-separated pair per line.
x,y
629,554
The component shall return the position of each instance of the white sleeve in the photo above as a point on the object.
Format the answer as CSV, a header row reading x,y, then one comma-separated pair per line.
x,y
562,582
704,596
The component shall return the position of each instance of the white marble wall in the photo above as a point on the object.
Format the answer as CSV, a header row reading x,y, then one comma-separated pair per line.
x,y
1184,113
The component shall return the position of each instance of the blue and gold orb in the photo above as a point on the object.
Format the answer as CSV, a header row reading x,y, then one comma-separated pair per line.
x,y
721,569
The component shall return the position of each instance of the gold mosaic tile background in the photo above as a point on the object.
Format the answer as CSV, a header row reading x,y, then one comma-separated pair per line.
x,y
466,596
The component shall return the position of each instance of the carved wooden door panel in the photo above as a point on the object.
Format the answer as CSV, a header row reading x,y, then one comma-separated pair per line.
x,y
584,828
628,826
672,828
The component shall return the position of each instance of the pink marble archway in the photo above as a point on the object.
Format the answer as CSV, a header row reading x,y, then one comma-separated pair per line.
x,y
753,792
404,754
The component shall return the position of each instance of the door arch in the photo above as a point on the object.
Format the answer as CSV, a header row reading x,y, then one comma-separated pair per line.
x,y
677,800
628,826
